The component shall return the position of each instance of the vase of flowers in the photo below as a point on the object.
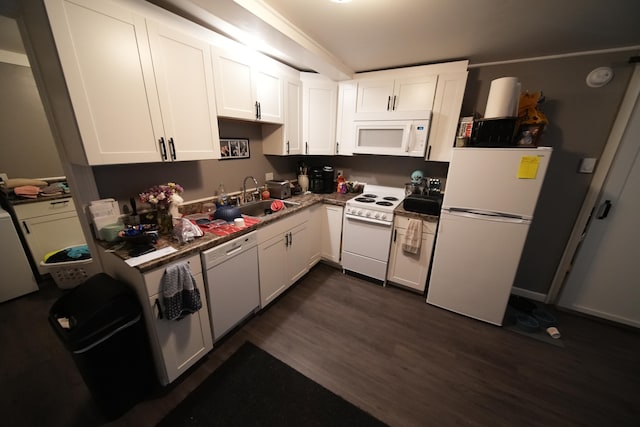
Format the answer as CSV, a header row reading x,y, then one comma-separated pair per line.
x,y
165,198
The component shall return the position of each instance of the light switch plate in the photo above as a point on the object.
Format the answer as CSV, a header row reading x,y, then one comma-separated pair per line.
x,y
268,176
587,165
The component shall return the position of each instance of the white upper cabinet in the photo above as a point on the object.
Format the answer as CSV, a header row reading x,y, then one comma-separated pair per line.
x,y
248,85
126,110
345,126
319,103
385,97
184,79
286,139
446,115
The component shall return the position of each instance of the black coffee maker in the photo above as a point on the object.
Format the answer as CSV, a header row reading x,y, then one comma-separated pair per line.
x,y
316,181
328,178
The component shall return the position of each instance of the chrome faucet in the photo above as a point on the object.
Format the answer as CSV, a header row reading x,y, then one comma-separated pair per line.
x,y
244,187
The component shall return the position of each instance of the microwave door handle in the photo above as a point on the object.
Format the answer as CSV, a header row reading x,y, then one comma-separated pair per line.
x,y
408,139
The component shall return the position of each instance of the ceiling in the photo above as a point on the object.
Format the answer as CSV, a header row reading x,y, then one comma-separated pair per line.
x,y
365,35
362,35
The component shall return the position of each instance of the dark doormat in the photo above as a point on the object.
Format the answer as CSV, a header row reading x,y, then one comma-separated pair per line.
x,y
253,388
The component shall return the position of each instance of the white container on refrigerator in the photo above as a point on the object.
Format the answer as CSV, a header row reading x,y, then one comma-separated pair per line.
x,y
18,277
489,201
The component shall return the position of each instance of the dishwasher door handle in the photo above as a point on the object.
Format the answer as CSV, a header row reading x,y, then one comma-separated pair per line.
x,y
234,251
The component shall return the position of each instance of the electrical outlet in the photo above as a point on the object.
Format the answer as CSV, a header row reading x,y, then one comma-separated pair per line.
x,y
268,176
587,165
340,172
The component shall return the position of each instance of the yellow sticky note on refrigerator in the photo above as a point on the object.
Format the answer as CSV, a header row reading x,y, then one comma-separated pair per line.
x,y
528,167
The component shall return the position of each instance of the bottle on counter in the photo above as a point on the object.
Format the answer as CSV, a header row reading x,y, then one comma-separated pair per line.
x,y
342,185
222,195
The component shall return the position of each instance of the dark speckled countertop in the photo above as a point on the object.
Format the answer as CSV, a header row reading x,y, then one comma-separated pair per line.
x,y
210,240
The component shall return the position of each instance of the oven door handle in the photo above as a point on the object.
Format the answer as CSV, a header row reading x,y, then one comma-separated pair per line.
x,y
372,220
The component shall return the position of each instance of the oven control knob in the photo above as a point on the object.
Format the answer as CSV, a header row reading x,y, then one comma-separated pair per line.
x,y
376,215
359,212
368,214
383,216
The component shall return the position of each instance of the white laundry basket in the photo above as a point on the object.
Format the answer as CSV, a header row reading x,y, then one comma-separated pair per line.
x,y
69,274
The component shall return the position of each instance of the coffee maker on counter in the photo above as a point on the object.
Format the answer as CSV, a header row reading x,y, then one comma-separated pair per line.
x,y
321,180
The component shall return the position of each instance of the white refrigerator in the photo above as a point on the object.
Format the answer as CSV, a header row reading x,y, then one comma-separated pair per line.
x,y
490,197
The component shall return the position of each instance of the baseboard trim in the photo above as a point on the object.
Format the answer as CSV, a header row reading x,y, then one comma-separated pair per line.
x,y
536,296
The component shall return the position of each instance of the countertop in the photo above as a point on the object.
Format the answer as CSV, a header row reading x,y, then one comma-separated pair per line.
x,y
210,240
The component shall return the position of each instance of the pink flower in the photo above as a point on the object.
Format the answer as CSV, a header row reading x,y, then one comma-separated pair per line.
x,y
162,195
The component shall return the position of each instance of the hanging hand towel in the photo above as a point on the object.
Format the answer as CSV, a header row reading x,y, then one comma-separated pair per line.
x,y
179,292
413,238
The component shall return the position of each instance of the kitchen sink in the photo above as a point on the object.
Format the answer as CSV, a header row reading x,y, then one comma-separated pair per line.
x,y
263,207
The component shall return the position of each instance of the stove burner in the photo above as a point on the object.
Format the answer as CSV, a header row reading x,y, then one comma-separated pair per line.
x,y
383,203
364,199
371,196
390,198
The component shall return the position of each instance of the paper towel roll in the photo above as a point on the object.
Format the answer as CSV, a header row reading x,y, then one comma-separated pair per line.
x,y
504,95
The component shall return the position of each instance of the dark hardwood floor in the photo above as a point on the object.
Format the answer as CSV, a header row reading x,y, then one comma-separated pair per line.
x,y
383,349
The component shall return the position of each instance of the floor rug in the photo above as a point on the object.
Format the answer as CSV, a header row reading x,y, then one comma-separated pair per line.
x,y
253,388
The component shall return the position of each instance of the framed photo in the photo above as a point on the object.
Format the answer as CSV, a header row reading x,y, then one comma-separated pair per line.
x,y
528,135
234,148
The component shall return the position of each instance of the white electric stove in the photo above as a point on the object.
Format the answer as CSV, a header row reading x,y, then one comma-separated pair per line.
x,y
367,230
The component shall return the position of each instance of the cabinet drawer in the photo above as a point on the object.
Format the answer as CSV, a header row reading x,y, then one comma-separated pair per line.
x,y
32,210
153,279
428,227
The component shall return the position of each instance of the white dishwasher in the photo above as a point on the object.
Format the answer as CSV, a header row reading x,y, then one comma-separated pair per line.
x,y
232,282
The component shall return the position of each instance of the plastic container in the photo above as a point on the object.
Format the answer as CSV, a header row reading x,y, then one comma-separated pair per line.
x,y
100,322
69,274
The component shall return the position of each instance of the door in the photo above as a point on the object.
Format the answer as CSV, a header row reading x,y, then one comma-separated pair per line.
x,y
184,76
105,57
480,178
603,281
269,93
474,265
319,116
234,84
414,93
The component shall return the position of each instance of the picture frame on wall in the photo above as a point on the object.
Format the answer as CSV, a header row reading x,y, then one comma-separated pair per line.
x,y
234,148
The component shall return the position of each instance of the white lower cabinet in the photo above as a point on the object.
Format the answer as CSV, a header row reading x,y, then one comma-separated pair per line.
x,y
331,227
283,255
49,226
408,269
176,344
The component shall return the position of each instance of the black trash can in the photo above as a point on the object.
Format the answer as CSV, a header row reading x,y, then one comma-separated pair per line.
x,y
100,322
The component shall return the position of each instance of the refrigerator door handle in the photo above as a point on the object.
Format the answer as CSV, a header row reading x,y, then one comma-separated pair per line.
x,y
479,214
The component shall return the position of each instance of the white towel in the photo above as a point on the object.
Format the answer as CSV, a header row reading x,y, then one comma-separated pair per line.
x,y
413,238
179,292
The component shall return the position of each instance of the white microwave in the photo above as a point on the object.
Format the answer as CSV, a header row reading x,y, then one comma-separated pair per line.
x,y
392,137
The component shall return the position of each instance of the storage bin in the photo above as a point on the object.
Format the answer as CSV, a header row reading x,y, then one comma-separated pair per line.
x,y
69,274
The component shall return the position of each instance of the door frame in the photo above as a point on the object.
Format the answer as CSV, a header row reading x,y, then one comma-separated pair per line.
x,y
594,193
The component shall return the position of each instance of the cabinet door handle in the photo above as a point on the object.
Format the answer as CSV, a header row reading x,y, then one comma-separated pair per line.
x,y
287,147
26,227
604,209
290,238
395,234
172,149
337,147
258,111
158,308
388,102
394,103
59,202
286,239
306,147
163,149
428,152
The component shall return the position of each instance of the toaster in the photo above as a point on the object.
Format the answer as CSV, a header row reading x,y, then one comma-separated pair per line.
x,y
279,189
